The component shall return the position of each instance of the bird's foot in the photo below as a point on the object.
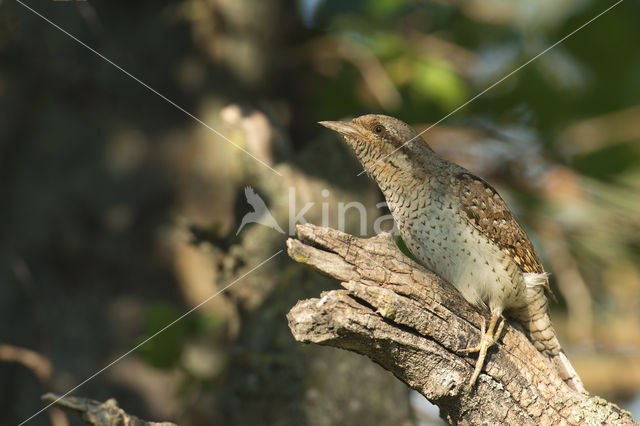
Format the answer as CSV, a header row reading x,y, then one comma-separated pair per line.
x,y
488,337
477,347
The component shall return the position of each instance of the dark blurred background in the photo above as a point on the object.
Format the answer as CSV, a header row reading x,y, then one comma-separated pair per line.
x,y
119,212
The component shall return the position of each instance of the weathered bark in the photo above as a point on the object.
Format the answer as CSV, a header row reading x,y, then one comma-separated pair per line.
x,y
99,413
411,322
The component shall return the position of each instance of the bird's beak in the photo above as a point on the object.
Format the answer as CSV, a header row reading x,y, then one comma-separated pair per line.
x,y
344,129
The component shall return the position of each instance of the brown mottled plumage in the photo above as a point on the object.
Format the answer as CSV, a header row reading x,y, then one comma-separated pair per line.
x,y
458,226
490,214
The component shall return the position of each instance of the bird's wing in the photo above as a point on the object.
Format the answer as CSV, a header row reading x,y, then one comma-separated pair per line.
x,y
489,214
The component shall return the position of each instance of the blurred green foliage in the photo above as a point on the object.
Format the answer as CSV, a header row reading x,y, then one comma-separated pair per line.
x,y
165,349
610,162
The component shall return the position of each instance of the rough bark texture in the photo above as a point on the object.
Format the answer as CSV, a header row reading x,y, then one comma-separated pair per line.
x,y
411,322
99,413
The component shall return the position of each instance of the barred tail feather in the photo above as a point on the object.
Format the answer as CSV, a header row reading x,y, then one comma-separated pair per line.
x,y
567,372
535,319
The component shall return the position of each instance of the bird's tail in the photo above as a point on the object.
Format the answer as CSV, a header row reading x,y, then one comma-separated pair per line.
x,y
536,321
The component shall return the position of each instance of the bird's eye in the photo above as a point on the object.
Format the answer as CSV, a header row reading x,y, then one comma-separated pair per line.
x,y
378,129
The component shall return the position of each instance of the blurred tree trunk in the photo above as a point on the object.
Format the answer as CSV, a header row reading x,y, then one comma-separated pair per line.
x,y
269,379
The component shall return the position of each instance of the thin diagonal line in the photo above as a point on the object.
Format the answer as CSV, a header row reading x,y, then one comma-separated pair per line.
x,y
151,337
149,88
501,80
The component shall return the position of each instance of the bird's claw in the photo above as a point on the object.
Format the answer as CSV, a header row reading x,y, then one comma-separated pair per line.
x,y
476,348
488,338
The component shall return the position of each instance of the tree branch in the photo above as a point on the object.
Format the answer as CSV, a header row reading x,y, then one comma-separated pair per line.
x,y
412,323
99,413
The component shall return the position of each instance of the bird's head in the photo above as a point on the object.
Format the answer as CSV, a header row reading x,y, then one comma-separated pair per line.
x,y
380,141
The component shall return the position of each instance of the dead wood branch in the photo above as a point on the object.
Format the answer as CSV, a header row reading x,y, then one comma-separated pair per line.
x,y
99,413
411,322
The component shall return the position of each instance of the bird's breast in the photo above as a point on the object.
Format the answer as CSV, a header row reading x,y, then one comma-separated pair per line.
x,y
442,239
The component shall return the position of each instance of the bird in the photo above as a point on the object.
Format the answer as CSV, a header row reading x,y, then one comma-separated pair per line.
x,y
459,227
260,213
